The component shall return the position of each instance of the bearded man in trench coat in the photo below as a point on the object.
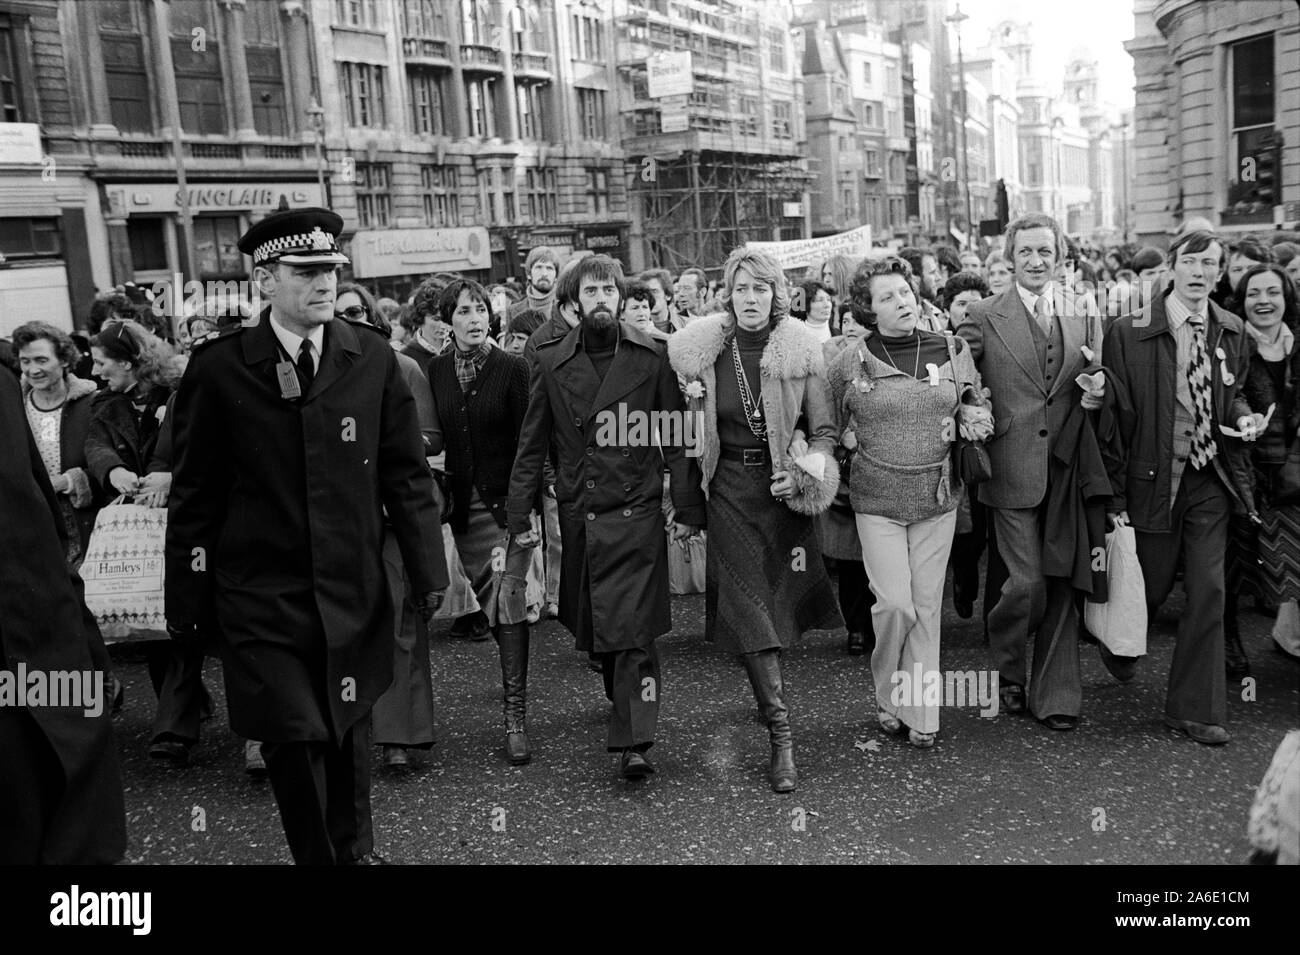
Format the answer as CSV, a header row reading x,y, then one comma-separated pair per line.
x,y
293,436
609,487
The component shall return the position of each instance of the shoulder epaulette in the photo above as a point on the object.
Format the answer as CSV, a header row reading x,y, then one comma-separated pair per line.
x,y
205,340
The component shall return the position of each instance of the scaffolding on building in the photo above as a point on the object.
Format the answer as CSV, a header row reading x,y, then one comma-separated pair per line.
x,y
701,205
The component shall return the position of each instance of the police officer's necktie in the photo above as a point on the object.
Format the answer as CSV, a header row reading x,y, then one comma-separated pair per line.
x,y
1198,382
306,370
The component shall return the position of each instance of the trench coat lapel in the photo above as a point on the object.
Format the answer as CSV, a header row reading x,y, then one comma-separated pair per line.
x,y
341,350
1010,321
575,374
627,372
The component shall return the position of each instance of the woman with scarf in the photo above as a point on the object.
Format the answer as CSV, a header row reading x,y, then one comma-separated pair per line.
x,y
757,378
1264,559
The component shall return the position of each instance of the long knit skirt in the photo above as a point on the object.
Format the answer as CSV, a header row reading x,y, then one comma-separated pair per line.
x,y
767,582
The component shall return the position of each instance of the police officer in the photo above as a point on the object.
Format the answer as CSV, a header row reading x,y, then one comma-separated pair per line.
x,y
293,436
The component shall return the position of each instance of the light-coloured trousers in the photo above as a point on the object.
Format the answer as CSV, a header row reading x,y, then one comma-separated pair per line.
x,y
907,565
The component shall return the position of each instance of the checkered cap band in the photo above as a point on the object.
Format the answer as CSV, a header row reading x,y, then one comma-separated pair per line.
x,y
315,242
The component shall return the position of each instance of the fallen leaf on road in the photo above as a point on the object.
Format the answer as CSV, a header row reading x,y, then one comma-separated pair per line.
x,y
872,745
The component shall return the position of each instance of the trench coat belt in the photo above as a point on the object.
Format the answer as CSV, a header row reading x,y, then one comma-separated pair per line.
x,y
750,457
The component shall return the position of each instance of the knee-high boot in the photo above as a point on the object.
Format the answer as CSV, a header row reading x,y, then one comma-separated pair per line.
x,y
512,641
764,670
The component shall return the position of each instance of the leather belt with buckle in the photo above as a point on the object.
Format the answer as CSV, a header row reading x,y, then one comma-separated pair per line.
x,y
750,457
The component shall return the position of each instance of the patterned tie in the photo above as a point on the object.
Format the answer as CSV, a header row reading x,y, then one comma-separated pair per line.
x,y
1198,381
1043,311
306,370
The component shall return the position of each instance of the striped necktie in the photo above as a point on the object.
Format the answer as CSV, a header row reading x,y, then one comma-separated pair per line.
x,y
1043,312
1198,381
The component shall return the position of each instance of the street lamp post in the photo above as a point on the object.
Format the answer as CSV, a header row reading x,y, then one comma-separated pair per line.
x,y
956,19
317,114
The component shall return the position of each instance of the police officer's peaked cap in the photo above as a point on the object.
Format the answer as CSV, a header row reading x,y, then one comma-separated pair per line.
x,y
295,237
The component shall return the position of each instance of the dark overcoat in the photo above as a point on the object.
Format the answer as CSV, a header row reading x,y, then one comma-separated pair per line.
x,y
44,626
614,579
276,525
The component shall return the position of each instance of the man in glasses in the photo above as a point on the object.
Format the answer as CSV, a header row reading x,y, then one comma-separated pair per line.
x,y
294,436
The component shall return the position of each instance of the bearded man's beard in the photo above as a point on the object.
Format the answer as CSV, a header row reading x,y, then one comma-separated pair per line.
x,y
599,319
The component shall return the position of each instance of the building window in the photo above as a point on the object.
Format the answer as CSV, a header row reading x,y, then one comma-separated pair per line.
x,y
144,234
776,49
897,213
424,18
374,199
483,205
496,197
216,250
872,162
22,238
588,40
782,128
597,192
427,115
1252,185
265,72
527,28
748,125
481,100
200,91
475,23
121,37
11,91
363,93
591,113
866,72
358,13
529,102
439,194
540,193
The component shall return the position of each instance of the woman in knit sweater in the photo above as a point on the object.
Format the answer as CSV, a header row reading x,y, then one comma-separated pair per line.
x,y
901,390
755,377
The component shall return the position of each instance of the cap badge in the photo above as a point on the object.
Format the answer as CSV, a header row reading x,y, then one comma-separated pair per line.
x,y
319,240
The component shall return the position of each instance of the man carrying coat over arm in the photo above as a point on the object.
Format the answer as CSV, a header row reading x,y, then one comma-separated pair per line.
x,y
293,436
587,394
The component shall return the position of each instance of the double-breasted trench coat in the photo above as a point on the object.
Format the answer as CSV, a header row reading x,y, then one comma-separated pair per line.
x,y
609,484
44,627
276,525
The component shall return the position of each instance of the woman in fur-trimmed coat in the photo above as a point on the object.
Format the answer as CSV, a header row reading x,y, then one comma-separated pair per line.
x,y
758,382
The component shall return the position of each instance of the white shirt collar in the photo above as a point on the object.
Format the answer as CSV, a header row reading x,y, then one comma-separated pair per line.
x,y
1031,300
291,342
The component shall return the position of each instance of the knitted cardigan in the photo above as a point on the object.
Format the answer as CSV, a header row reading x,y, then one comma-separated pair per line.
x,y
792,384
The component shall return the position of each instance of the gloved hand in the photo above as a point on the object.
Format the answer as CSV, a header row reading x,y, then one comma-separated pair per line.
x,y
427,604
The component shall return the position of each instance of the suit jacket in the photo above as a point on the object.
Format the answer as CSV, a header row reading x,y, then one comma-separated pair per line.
x,y
276,525
1028,411
609,485
1141,360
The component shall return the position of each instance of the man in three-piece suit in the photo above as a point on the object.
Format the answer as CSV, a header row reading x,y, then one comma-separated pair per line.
x,y
1029,344
294,436
1176,369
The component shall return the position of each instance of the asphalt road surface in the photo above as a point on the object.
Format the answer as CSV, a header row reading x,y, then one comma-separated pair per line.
x,y
1120,789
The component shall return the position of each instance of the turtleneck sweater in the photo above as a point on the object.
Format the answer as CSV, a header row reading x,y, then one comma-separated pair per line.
x,y
600,345
901,351
733,429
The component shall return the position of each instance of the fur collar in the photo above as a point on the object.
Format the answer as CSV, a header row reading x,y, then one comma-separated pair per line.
x,y
792,351
77,388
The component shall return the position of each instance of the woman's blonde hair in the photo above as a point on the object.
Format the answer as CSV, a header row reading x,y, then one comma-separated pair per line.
x,y
764,268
